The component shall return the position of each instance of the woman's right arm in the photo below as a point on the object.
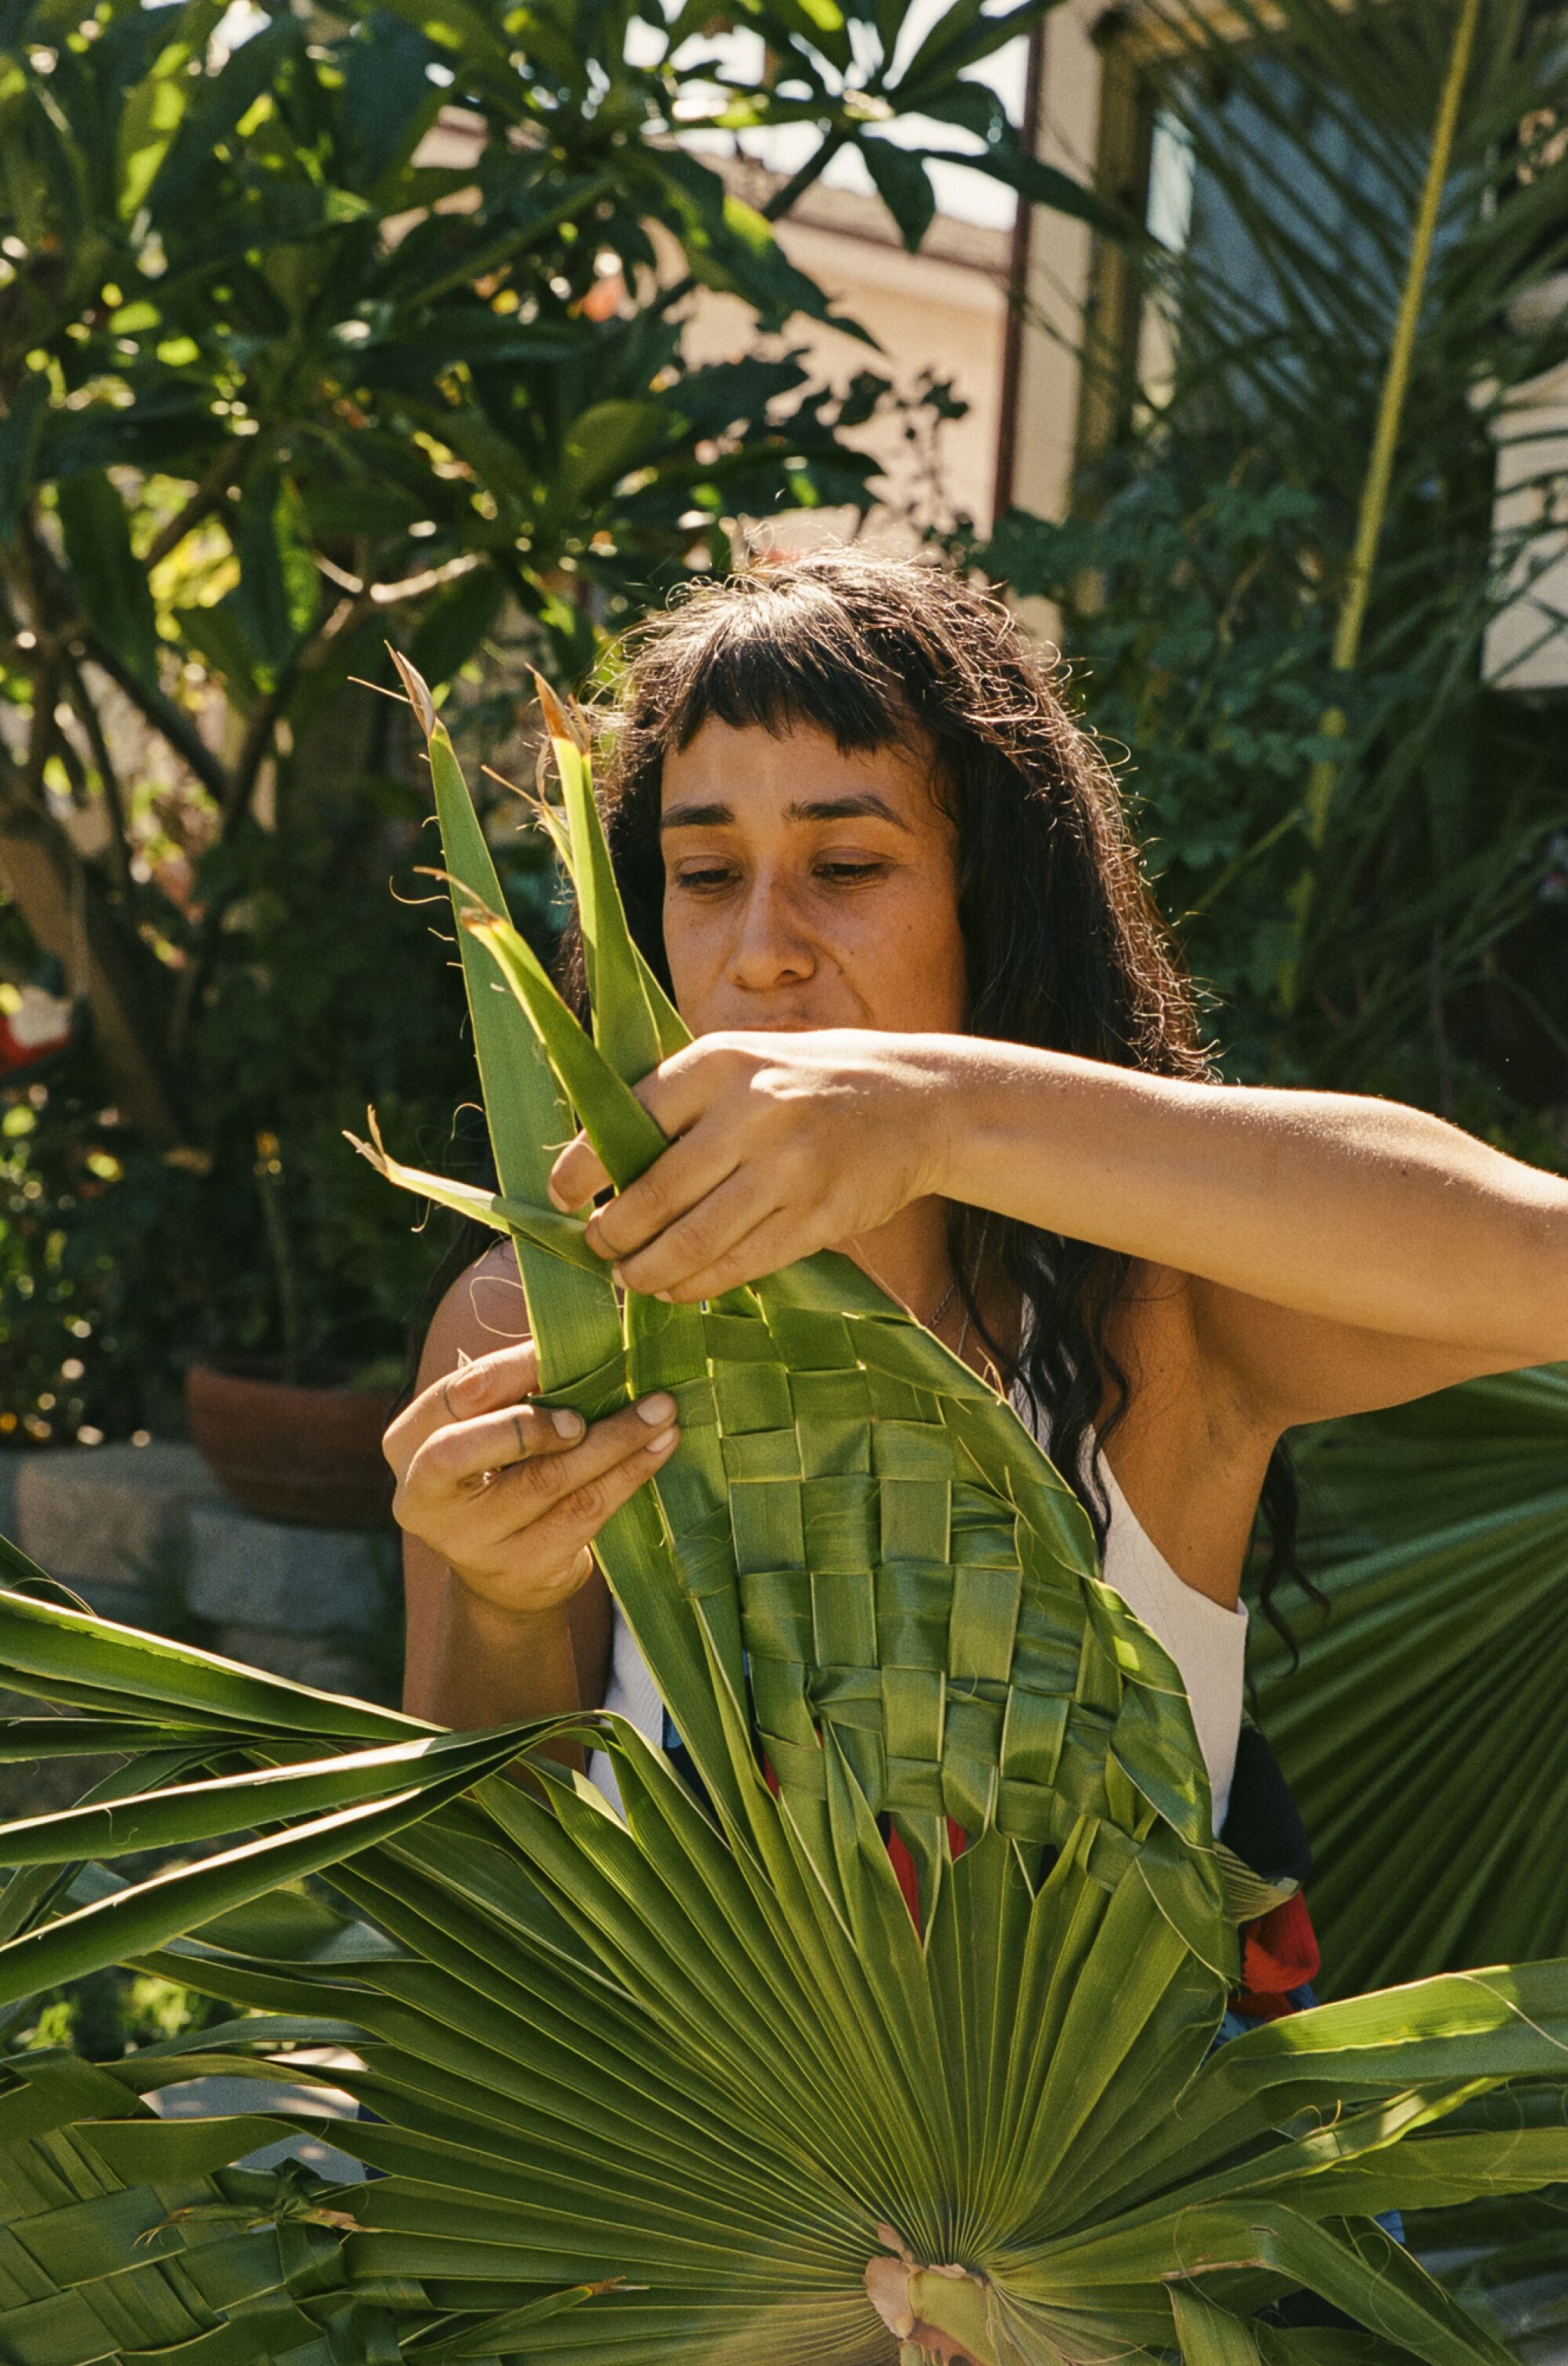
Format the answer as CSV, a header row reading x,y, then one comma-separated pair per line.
x,y
499,1501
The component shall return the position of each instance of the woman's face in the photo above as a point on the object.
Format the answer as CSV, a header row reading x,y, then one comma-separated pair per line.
x,y
804,887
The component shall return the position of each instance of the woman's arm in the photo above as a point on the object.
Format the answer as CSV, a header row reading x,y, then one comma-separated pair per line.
x,y
470,1665
1345,1251
1338,1245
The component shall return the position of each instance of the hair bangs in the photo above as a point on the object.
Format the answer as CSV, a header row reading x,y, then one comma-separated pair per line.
x,y
779,657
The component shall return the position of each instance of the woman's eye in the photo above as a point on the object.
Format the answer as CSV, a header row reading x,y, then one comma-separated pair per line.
x,y
845,871
706,876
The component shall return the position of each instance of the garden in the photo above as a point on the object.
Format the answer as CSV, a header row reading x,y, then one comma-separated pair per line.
x,y
346,424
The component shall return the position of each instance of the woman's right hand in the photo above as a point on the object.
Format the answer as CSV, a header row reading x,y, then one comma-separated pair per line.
x,y
511,1494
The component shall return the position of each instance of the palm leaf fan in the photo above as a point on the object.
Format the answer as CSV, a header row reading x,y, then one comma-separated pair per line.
x,y
1438,1532
691,2081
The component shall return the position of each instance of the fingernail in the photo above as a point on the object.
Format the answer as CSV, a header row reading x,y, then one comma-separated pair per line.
x,y
556,1198
662,1444
657,1410
567,1423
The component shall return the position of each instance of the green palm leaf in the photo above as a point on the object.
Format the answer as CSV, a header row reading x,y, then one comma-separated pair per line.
x,y
1439,1533
689,2081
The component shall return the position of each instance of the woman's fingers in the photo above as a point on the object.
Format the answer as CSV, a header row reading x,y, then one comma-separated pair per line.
x,y
688,1177
578,1175
459,1454
576,1517
446,1499
776,1242
677,1095
696,1241
486,1385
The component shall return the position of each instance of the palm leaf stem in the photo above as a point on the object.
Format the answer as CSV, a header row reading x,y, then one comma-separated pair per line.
x,y
1373,503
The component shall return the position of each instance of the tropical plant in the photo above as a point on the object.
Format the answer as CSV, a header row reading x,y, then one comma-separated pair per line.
x,y
312,322
1438,1532
1289,581
697,2079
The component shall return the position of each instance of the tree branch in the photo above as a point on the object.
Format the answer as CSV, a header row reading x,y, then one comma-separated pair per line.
x,y
230,464
784,200
253,752
114,797
61,903
166,718
78,637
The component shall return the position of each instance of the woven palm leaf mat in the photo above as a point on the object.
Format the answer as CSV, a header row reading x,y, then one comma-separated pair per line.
x,y
878,1550
207,2268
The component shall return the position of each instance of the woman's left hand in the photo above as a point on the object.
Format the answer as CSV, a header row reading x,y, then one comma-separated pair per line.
x,y
780,1144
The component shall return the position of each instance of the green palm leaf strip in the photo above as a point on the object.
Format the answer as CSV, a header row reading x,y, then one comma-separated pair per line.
x,y
635,1021
1373,503
572,1322
686,2080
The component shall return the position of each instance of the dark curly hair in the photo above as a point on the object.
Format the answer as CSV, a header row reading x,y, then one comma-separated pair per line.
x,y
1065,949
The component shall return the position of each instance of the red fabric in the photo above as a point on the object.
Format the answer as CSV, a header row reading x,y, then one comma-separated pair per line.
x,y
1278,1954
38,1028
904,1865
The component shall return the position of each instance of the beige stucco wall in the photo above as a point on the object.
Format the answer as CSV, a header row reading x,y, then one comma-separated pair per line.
x,y
1060,257
942,311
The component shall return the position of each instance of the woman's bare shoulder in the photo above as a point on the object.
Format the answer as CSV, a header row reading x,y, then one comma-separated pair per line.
x,y
483,1310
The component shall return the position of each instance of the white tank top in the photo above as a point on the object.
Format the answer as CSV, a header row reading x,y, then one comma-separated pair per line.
x,y
1207,1643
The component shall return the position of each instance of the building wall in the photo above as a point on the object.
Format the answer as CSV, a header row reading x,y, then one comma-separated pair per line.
x,y
942,311
1060,260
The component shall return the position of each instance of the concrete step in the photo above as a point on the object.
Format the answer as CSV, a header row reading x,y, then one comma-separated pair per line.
x,y
109,1516
12,1465
145,1537
300,1580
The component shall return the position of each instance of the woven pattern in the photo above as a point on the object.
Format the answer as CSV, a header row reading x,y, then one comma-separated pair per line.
x,y
94,2267
879,1549
879,1557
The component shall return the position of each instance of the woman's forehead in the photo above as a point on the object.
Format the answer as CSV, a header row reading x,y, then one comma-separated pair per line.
x,y
751,774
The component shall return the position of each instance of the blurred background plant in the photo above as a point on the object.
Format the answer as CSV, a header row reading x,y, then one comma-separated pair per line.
x,y
112,2013
319,327
1363,847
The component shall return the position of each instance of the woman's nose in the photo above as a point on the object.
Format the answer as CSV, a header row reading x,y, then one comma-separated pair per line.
x,y
768,950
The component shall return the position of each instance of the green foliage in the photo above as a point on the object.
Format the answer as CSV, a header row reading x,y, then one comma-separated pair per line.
x,y
290,359
114,2012
690,2079
1421,949
120,1262
80,1203
1438,1532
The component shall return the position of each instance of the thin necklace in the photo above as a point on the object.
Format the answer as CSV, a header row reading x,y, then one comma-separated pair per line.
x,y
991,1377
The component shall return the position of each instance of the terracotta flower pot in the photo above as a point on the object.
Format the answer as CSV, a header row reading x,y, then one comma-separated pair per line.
x,y
290,1451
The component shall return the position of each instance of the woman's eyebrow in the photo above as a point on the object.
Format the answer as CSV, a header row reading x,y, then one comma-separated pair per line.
x,y
690,817
856,806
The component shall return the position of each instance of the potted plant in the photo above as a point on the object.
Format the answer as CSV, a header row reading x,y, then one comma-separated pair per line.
x,y
293,1436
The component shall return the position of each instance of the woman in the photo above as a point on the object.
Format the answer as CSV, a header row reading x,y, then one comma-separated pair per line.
x,y
938,1026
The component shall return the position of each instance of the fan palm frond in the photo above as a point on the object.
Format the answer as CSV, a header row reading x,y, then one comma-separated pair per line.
x,y
692,2080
